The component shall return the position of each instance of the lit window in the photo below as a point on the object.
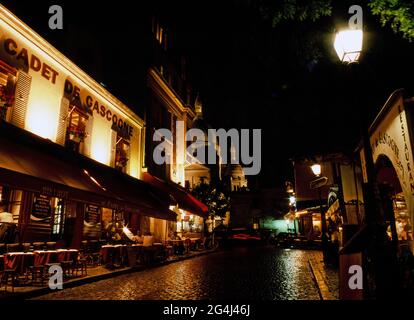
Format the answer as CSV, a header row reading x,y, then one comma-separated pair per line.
x,y
76,133
7,89
58,218
122,155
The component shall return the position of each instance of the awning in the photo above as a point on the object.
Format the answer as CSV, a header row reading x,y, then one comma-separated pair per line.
x,y
31,163
180,196
135,193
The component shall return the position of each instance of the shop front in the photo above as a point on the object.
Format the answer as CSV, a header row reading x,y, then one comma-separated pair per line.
x,y
391,143
71,153
45,198
191,213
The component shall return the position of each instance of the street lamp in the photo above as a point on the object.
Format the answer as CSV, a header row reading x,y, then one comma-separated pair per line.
x,y
292,200
318,184
348,45
316,169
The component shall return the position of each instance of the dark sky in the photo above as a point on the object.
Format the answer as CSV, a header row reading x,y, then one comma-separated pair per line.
x,y
285,80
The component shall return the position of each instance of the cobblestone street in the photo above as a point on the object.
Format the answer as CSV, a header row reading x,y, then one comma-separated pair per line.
x,y
241,273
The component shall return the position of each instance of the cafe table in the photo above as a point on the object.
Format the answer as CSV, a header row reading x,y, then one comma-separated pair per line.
x,y
20,261
195,242
67,255
43,257
175,242
113,253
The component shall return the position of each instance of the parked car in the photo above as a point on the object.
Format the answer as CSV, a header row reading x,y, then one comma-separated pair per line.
x,y
244,236
285,239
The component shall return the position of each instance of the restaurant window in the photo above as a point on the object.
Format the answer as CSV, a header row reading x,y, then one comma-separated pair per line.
x,y
76,132
122,154
10,203
7,89
8,220
58,217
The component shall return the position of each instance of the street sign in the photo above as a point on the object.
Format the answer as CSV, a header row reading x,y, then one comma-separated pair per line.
x,y
318,183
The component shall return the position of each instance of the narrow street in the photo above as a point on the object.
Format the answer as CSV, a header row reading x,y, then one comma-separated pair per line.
x,y
257,273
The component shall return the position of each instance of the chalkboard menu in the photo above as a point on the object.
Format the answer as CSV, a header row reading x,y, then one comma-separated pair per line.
x,y
92,214
42,209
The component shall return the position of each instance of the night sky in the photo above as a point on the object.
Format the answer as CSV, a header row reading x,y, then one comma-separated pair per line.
x,y
285,80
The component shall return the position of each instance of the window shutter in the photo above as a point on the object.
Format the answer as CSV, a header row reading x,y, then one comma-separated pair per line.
x,y
113,148
18,117
88,139
63,121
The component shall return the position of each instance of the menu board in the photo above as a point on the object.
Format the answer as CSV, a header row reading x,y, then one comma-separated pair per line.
x,y
92,214
42,209
92,222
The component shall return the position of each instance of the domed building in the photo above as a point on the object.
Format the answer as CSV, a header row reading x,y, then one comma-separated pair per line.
x,y
234,174
195,173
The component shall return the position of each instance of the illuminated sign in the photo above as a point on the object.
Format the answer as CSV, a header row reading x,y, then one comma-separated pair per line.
x,y
91,105
392,139
22,56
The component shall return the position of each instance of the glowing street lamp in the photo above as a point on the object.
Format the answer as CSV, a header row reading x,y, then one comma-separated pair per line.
x,y
292,200
316,169
348,45
318,184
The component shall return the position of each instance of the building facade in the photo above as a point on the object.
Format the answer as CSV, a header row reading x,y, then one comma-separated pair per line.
x,y
78,147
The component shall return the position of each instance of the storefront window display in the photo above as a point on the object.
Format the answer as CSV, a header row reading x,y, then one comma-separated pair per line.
x,y
189,223
76,132
92,223
122,154
402,220
59,218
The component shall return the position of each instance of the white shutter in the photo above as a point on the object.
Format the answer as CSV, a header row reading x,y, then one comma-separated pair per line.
x,y
113,148
88,139
63,121
18,116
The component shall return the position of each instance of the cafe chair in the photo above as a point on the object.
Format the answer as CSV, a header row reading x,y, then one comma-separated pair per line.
x,y
27,247
67,268
96,259
50,245
187,244
38,246
9,275
14,247
80,266
169,251
38,277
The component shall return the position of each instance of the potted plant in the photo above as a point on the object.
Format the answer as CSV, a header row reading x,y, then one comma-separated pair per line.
x,y
6,101
77,135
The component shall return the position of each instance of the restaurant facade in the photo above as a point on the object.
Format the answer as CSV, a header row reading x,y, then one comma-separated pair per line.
x,y
71,154
392,150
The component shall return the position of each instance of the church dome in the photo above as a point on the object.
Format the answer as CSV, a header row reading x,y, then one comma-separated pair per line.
x,y
235,171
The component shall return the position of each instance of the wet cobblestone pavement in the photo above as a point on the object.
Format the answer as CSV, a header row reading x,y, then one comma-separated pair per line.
x,y
258,273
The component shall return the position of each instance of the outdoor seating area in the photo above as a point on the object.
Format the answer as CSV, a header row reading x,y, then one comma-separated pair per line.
x,y
143,254
28,264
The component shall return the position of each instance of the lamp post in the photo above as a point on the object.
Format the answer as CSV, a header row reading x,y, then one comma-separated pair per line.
x,y
318,184
348,46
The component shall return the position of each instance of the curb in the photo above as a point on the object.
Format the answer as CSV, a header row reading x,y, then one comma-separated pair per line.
x,y
320,283
79,282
